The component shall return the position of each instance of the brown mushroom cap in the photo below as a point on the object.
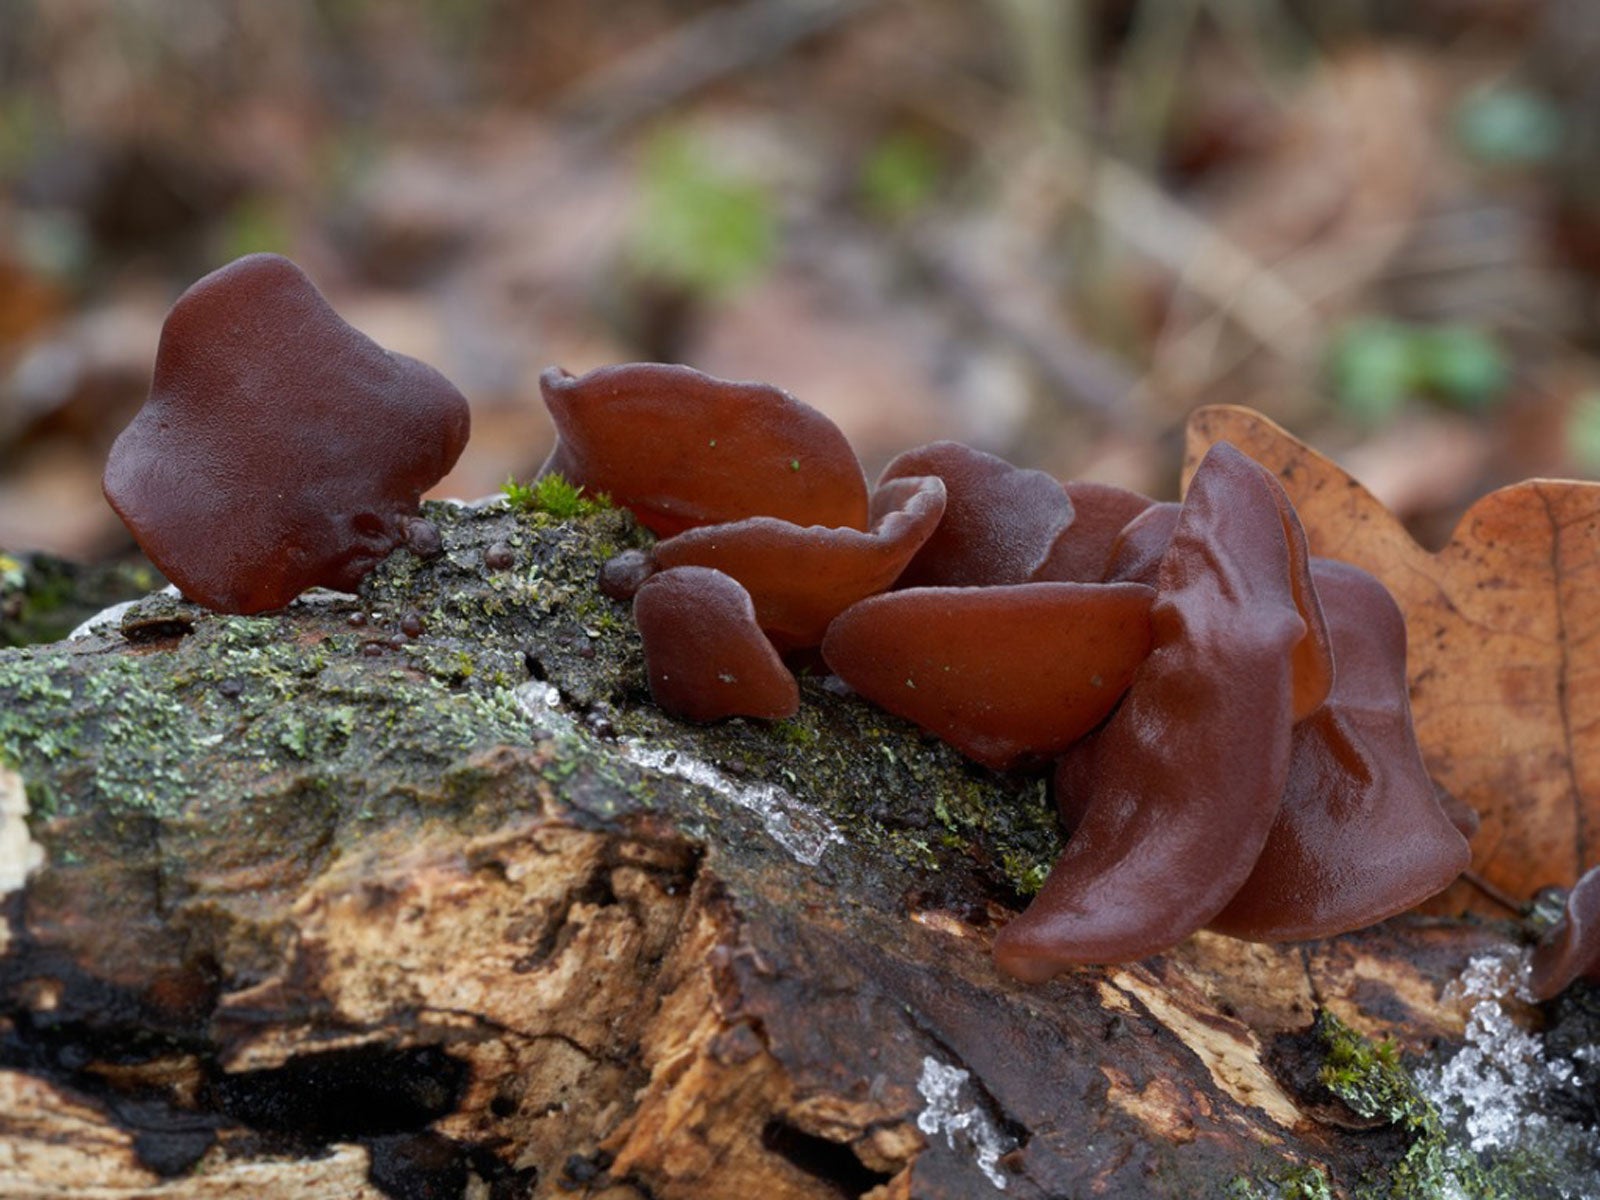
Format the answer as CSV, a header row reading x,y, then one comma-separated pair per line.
x,y
1571,949
1100,512
622,574
703,651
1137,553
802,578
1312,656
1137,550
279,449
683,449
1004,674
1178,790
1360,836
1000,521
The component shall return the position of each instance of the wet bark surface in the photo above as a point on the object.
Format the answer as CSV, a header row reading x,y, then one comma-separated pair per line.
x,y
330,908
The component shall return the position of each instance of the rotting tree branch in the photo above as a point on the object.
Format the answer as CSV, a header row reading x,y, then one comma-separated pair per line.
x,y
333,911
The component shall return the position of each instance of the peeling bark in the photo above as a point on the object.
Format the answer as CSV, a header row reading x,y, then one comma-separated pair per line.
x,y
330,911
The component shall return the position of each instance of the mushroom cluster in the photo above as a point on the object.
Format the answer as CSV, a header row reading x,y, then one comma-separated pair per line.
x,y
1227,716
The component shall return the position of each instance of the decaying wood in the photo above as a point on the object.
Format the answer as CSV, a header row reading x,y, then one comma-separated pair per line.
x,y
329,911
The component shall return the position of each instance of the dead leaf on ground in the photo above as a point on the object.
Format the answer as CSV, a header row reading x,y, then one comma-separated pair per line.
x,y
1504,643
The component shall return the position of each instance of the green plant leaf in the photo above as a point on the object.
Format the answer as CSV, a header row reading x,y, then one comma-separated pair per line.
x,y
699,226
899,176
1371,368
1583,433
1509,127
1462,365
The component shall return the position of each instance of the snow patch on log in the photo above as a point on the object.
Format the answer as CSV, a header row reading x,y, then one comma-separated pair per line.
x,y
797,827
963,1123
800,829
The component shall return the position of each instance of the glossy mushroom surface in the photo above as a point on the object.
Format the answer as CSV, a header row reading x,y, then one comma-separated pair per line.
x,y
801,578
704,654
1176,793
1312,667
1100,511
1000,521
681,449
1360,835
1177,661
280,449
623,574
1137,550
1004,674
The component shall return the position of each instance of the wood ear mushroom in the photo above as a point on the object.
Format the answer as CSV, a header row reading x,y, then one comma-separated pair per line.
x,y
682,449
1174,797
280,449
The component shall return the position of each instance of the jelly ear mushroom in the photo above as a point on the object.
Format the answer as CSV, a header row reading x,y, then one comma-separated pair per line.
x,y
1360,836
279,449
1007,675
683,449
1312,656
1176,792
1571,949
801,578
1137,553
703,651
1100,512
1000,521
1137,550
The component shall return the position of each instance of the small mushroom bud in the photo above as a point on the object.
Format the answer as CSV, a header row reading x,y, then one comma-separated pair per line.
x,y
703,651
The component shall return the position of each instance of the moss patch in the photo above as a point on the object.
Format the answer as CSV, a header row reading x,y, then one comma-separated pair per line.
x,y
1372,1080
554,496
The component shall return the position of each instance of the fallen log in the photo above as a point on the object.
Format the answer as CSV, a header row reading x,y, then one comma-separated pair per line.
x,y
415,894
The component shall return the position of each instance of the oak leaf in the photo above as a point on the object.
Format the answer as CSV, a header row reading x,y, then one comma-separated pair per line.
x,y
1503,631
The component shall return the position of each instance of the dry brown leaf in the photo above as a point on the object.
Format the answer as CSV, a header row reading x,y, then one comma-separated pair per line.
x,y
1504,643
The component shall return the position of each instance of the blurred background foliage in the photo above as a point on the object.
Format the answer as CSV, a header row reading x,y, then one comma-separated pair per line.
x,y
1046,227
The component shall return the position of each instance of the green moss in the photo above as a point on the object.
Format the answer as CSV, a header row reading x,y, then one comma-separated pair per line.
x,y
248,633
795,731
1370,1078
553,495
1309,1182
1298,1183
1367,1076
1027,874
1305,1183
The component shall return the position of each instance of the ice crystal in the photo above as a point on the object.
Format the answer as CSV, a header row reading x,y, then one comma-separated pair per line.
x,y
949,1111
1497,1089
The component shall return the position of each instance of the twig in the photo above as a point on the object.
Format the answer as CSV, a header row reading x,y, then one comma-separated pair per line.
x,y
1080,373
696,54
1498,895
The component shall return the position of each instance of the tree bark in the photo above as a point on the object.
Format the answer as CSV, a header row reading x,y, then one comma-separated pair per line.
x,y
326,910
